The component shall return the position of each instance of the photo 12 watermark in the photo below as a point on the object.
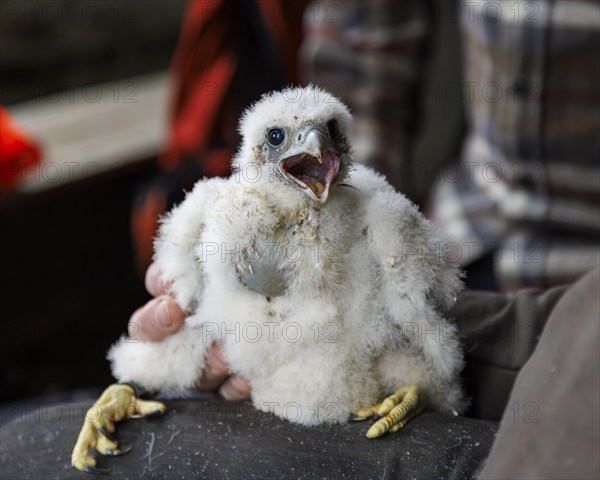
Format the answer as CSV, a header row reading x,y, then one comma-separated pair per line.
x,y
260,331
55,11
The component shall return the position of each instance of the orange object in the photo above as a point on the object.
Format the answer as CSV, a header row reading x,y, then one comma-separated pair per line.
x,y
18,152
213,83
229,52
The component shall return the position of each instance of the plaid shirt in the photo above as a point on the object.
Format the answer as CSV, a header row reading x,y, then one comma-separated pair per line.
x,y
527,184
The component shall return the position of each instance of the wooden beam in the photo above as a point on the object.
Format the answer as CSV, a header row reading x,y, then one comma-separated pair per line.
x,y
90,130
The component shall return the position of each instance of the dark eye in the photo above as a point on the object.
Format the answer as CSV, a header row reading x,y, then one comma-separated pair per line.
x,y
276,136
334,131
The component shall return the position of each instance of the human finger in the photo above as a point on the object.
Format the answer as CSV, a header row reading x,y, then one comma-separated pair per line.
x,y
154,282
235,388
156,320
216,371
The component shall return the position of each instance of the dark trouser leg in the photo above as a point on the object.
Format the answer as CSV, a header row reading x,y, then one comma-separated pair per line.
x,y
551,428
216,439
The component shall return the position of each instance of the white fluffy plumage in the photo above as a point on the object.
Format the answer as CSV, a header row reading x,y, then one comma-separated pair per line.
x,y
363,278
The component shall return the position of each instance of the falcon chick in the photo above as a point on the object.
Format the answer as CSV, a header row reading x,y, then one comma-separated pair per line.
x,y
325,285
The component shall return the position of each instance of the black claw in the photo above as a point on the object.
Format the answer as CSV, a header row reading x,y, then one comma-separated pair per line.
x,y
377,416
122,450
104,431
96,470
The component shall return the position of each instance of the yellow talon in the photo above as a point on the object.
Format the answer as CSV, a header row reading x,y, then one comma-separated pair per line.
x,y
117,402
397,410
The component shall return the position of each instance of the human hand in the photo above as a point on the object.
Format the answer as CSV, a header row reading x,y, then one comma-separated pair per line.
x,y
161,317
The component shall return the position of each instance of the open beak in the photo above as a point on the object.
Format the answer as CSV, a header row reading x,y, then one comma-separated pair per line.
x,y
313,167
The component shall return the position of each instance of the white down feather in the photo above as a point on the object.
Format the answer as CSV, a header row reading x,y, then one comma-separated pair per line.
x,y
362,316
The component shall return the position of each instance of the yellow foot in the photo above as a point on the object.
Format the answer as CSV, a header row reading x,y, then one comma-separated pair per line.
x,y
117,402
396,411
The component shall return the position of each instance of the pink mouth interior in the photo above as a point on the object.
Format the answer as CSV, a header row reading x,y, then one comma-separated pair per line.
x,y
306,171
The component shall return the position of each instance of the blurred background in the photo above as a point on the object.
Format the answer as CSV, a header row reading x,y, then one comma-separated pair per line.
x,y
111,109
86,81
87,84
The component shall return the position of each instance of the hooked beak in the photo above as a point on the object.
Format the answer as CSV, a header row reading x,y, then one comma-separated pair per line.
x,y
312,166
